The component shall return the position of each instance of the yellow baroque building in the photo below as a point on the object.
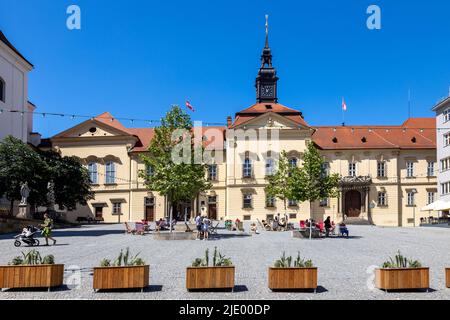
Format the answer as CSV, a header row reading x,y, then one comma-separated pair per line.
x,y
388,172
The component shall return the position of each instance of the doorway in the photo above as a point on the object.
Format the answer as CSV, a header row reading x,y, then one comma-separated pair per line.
x,y
353,204
150,209
212,208
99,213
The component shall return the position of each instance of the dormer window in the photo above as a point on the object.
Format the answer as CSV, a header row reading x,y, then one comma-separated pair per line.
x,y
414,140
2,90
268,107
363,140
93,130
335,140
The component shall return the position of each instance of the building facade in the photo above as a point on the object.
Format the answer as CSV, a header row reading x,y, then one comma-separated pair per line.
x,y
387,172
442,110
14,69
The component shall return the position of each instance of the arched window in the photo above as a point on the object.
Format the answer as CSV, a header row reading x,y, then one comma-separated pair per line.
x,y
293,162
110,173
247,168
93,172
2,89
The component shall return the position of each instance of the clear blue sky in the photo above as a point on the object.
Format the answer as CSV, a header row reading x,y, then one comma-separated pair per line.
x,y
136,58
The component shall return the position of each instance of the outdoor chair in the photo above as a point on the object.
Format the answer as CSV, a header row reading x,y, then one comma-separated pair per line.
x,y
128,230
140,228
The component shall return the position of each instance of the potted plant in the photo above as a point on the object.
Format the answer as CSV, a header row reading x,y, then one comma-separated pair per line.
x,y
447,277
400,273
284,276
126,272
202,276
31,270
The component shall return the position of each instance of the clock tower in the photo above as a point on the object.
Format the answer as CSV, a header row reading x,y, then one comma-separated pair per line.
x,y
266,81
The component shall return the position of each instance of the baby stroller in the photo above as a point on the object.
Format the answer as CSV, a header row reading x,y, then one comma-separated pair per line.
x,y
27,237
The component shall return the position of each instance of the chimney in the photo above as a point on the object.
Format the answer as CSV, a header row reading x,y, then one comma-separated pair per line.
x,y
229,121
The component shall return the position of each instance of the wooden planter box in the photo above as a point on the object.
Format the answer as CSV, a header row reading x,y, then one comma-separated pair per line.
x,y
135,277
207,278
293,278
447,277
34,276
402,279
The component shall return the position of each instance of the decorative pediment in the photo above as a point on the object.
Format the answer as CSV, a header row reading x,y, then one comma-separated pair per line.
x,y
359,180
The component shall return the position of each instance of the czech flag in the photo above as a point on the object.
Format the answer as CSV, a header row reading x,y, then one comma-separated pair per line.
x,y
189,106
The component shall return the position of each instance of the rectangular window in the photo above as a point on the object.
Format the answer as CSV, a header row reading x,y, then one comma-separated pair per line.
x,y
411,201
352,169
325,169
445,188
247,201
430,169
149,170
447,139
110,173
117,208
292,216
270,168
292,203
382,200
212,199
93,173
269,217
431,197
247,168
212,172
324,203
381,169
247,217
446,115
410,169
270,201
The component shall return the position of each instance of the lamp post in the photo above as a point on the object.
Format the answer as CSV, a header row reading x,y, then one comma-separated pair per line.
x,y
414,192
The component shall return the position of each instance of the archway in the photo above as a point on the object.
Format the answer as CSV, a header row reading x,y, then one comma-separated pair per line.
x,y
353,203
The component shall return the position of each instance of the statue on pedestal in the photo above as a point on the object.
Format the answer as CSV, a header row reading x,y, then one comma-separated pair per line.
x,y
25,193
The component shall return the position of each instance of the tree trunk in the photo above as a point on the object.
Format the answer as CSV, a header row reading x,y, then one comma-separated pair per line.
x,y
285,206
171,217
310,219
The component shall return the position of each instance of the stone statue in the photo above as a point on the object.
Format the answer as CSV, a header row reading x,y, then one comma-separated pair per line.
x,y
25,193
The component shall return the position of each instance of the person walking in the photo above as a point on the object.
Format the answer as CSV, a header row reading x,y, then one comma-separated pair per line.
x,y
328,226
47,229
205,228
198,223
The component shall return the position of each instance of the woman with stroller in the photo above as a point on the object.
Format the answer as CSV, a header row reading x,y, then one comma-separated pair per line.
x,y
47,229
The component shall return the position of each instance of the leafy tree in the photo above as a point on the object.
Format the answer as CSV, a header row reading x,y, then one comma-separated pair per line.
x,y
71,180
310,183
281,182
172,179
19,163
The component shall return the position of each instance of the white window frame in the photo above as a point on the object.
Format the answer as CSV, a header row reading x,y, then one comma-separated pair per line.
x,y
325,169
247,201
431,196
270,167
110,172
410,169
247,168
212,172
446,115
117,208
411,199
270,201
93,172
352,172
149,170
446,137
430,169
382,199
292,203
381,169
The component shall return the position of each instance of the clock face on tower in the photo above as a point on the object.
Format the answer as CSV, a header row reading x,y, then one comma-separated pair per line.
x,y
267,91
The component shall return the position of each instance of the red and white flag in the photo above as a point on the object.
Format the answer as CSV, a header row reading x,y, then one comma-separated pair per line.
x,y
189,106
344,105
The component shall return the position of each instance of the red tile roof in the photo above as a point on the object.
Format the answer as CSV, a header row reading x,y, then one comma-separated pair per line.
x,y
258,109
415,133
9,44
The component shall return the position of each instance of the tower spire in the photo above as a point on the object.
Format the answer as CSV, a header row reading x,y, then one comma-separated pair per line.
x,y
267,31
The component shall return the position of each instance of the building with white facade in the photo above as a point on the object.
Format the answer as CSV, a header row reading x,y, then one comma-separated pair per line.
x,y
442,110
16,112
